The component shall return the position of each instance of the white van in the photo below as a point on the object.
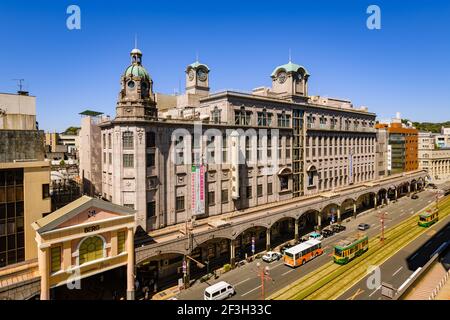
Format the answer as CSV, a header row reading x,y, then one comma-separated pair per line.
x,y
219,291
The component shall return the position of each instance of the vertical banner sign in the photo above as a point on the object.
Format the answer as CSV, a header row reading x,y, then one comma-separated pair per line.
x,y
350,166
198,189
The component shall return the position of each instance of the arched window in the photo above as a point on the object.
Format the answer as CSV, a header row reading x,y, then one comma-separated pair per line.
x,y
91,248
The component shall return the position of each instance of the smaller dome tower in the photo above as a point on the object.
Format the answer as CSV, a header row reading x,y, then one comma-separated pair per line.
x,y
136,97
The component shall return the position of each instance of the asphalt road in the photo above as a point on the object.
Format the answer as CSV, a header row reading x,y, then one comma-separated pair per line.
x,y
398,268
246,278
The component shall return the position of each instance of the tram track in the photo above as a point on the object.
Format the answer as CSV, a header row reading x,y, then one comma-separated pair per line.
x,y
331,280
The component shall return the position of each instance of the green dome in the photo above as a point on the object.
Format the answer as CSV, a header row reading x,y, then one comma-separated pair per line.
x,y
137,71
197,64
288,67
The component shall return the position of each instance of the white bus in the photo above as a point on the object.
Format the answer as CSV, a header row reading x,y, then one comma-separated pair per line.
x,y
302,253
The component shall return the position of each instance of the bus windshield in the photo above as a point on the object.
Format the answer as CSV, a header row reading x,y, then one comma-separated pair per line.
x,y
337,252
290,255
421,218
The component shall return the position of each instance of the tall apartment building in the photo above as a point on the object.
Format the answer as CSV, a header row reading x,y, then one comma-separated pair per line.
x,y
24,179
203,154
402,145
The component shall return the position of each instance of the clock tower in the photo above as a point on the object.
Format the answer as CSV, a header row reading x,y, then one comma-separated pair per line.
x,y
136,97
197,79
290,80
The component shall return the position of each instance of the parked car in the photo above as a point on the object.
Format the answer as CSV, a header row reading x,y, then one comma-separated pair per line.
x,y
315,235
219,291
363,226
338,228
271,256
327,233
415,196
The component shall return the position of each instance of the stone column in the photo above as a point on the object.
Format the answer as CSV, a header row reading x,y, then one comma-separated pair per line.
x,y
375,201
338,214
268,239
130,264
386,198
44,271
297,221
319,220
396,194
232,253
354,210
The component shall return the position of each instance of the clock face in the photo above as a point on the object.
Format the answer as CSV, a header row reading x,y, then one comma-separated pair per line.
x,y
201,75
131,84
191,74
282,77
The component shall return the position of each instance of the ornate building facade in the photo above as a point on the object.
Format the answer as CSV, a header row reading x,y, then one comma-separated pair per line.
x,y
204,154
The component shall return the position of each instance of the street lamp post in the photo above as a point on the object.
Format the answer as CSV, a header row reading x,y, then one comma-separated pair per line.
x,y
263,273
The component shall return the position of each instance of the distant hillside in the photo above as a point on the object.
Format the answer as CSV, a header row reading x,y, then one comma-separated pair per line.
x,y
429,126
72,130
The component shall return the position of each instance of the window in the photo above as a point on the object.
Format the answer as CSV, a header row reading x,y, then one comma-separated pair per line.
x,y
150,139
259,190
249,192
55,255
91,249
110,158
269,188
104,157
120,242
224,195
284,120
211,198
179,204
151,209
284,183
45,191
128,160
150,159
127,140
109,141
242,117
215,115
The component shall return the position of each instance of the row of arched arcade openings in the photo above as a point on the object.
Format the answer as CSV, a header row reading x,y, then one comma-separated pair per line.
x,y
166,270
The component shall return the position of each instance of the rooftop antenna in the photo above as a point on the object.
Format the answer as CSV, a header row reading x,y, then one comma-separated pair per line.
x,y
19,83
135,41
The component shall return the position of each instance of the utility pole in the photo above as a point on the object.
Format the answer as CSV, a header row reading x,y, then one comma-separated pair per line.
x,y
382,217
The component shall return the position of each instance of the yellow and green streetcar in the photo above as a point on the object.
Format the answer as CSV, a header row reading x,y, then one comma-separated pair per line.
x,y
349,248
428,218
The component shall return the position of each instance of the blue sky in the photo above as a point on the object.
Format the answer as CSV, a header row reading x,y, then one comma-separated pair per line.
x,y
402,67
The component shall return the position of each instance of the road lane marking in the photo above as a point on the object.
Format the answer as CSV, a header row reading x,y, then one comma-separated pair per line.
x,y
241,282
287,272
357,293
397,271
374,291
251,291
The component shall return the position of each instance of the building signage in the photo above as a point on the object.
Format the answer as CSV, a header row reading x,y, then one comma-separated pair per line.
x,y
198,189
389,158
92,228
350,166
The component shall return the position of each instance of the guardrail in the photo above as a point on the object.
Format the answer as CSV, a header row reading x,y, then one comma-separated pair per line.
x,y
420,271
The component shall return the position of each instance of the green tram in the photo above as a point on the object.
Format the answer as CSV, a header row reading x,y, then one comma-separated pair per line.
x,y
350,248
428,218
